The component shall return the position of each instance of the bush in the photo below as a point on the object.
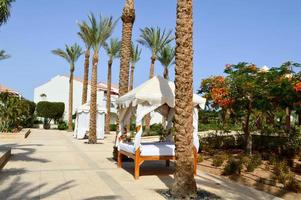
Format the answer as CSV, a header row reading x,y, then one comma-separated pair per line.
x,y
113,127
15,113
62,125
218,160
233,167
200,158
50,110
253,162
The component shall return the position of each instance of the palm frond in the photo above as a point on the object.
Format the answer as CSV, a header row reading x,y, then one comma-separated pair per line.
x,y
136,53
3,55
166,56
113,48
155,39
70,54
5,6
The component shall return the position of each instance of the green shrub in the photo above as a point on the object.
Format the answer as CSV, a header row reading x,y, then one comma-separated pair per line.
x,y
62,125
293,185
254,162
112,127
218,160
50,111
233,166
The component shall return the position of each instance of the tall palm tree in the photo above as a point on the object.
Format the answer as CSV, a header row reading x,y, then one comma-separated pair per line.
x,y
5,6
154,39
100,32
184,186
71,55
128,19
85,34
166,57
113,51
3,55
136,53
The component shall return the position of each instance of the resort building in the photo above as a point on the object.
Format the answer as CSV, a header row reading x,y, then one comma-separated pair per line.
x,y
57,90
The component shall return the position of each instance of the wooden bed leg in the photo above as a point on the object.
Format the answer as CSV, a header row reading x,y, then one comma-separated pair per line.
x,y
167,163
119,160
137,164
195,160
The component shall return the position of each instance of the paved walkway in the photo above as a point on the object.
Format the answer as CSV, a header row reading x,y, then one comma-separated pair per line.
x,y
52,165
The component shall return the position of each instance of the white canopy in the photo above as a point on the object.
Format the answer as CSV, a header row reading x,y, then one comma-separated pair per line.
x,y
156,94
83,119
156,91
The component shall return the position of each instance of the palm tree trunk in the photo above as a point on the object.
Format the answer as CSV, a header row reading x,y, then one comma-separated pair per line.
x,y
184,186
109,82
165,73
151,75
93,101
86,77
132,76
70,124
128,18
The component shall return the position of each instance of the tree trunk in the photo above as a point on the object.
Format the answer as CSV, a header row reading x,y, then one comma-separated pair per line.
x,y
248,136
70,124
299,118
86,77
109,82
166,73
288,119
93,101
147,118
132,76
128,18
184,186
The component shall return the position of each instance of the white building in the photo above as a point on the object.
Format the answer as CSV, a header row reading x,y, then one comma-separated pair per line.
x,y
57,90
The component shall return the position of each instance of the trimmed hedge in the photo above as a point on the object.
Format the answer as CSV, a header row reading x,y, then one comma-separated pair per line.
x,y
50,110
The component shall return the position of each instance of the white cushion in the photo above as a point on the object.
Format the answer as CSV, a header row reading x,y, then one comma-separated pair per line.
x,y
150,149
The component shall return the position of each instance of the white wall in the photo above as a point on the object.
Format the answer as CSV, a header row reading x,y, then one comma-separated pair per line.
x,y
57,90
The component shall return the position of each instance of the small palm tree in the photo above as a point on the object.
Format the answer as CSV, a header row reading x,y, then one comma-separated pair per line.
x,y
166,57
136,53
155,40
3,55
184,186
85,34
113,51
5,6
100,32
71,55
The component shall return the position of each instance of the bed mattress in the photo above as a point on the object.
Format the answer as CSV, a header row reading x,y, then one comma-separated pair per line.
x,y
150,149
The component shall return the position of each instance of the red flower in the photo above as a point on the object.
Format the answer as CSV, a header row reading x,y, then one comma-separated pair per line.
x,y
297,87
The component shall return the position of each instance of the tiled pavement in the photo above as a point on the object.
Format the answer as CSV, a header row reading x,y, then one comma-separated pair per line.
x,y
50,164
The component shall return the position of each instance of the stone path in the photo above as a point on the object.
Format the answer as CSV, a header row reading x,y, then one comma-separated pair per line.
x,y
52,165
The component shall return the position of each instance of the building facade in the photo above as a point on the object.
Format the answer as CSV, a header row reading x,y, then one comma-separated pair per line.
x,y
57,90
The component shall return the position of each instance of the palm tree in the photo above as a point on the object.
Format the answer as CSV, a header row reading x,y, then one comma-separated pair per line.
x,y
71,55
184,186
100,32
136,53
166,57
154,39
113,51
3,55
5,6
128,18
85,34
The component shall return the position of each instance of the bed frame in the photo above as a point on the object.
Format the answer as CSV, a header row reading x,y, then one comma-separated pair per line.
x,y
138,160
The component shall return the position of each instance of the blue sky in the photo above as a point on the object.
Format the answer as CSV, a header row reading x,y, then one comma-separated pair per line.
x,y
264,32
